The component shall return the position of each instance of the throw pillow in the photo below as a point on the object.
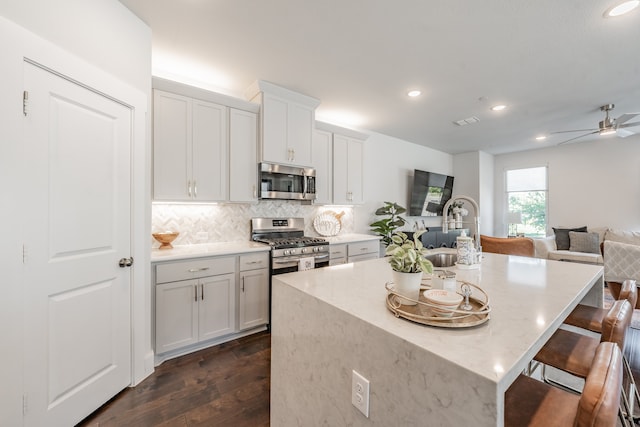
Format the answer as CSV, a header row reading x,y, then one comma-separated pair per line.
x,y
584,242
562,236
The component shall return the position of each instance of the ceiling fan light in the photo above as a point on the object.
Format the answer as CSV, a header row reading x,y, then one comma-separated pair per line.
x,y
622,8
609,131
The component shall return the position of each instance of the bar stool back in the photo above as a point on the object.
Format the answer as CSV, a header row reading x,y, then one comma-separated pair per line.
x,y
532,403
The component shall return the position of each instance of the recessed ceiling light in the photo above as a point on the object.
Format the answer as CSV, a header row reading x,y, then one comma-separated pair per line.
x,y
414,93
541,138
498,107
621,8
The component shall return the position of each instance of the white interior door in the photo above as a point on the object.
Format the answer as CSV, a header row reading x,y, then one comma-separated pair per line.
x,y
76,227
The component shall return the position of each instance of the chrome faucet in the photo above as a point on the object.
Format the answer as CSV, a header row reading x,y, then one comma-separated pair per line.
x,y
476,218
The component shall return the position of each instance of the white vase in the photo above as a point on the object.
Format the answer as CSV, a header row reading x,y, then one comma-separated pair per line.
x,y
408,285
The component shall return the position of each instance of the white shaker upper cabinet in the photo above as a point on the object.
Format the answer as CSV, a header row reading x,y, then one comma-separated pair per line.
x,y
243,163
189,149
322,161
348,183
287,122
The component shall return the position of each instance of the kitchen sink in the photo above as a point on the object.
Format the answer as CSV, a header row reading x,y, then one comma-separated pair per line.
x,y
442,259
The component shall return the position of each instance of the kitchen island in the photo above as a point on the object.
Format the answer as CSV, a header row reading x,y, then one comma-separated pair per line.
x,y
329,322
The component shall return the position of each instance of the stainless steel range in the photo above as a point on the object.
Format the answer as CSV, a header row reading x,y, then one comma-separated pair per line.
x,y
290,248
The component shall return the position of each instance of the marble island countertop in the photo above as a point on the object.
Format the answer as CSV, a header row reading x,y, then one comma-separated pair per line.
x,y
342,309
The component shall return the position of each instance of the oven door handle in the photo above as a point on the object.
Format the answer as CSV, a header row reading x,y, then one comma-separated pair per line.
x,y
321,256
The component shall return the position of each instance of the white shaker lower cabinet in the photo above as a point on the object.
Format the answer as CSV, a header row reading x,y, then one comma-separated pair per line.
x,y
253,291
361,251
337,254
197,309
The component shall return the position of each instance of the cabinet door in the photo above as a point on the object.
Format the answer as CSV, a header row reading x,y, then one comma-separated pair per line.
x,y
322,160
347,170
354,171
209,154
217,306
254,298
171,146
300,121
340,165
243,177
176,315
274,130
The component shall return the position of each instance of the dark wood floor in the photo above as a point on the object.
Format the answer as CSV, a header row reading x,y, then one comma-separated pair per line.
x,y
225,385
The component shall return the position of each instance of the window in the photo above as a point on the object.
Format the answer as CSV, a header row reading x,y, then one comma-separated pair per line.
x,y
527,194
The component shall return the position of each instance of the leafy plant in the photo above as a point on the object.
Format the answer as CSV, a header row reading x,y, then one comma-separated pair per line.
x,y
408,255
387,226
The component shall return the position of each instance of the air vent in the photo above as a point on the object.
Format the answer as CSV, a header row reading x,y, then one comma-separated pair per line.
x,y
467,121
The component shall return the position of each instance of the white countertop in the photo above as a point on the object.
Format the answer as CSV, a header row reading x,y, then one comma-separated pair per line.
x,y
205,250
351,237
529,297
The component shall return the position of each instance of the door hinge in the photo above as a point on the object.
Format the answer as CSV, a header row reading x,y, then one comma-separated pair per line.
x,y
24,404
25,102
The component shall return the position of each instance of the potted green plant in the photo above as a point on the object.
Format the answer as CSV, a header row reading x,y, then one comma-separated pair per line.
x,y
387,226
408,262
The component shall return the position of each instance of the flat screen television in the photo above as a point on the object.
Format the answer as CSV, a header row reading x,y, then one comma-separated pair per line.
x,y
429,194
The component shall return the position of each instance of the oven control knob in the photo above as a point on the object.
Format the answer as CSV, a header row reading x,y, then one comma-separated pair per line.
x,y
292,251
303,250
286,252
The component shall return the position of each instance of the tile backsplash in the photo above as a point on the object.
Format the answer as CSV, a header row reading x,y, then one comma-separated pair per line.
x,y
232,222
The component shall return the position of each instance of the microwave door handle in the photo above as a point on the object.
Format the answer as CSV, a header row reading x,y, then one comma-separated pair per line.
x,y
304,184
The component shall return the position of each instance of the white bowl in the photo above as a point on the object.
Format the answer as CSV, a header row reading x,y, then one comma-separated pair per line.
x,y
444,300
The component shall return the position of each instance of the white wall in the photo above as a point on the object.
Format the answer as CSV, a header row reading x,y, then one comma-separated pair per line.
x,y
590,183
473,174
388,176
102,33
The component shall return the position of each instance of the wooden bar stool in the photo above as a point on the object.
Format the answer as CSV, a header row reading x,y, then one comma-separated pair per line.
x,y
590,318
574,353
529,402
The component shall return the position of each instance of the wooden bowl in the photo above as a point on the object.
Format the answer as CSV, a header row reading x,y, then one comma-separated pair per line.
x,y
165,238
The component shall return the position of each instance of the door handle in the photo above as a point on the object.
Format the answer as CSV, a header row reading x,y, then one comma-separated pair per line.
x,y
125,262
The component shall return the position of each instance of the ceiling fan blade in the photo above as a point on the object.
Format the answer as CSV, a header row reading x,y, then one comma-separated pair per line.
x,y
628,125
577,137
573,130
623,118
623,133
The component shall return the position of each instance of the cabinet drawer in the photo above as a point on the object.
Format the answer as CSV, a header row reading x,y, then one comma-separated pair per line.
x,y
360,248
194,268
363,257
337,251
254,261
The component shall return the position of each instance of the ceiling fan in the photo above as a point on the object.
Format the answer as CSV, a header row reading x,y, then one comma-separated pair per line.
x,y
607,126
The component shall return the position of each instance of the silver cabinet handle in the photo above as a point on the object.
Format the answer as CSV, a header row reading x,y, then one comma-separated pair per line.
x,y
195,292
243,284
201,291
254,191
189,187
253,262
195,270
195,188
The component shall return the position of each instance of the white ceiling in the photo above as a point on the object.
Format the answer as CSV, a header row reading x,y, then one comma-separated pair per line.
x,y
552,62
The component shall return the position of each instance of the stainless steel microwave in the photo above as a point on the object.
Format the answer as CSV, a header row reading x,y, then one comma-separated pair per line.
x,y
286,182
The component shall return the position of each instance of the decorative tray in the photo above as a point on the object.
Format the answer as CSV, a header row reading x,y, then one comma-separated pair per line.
x,y
422,312
328,223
